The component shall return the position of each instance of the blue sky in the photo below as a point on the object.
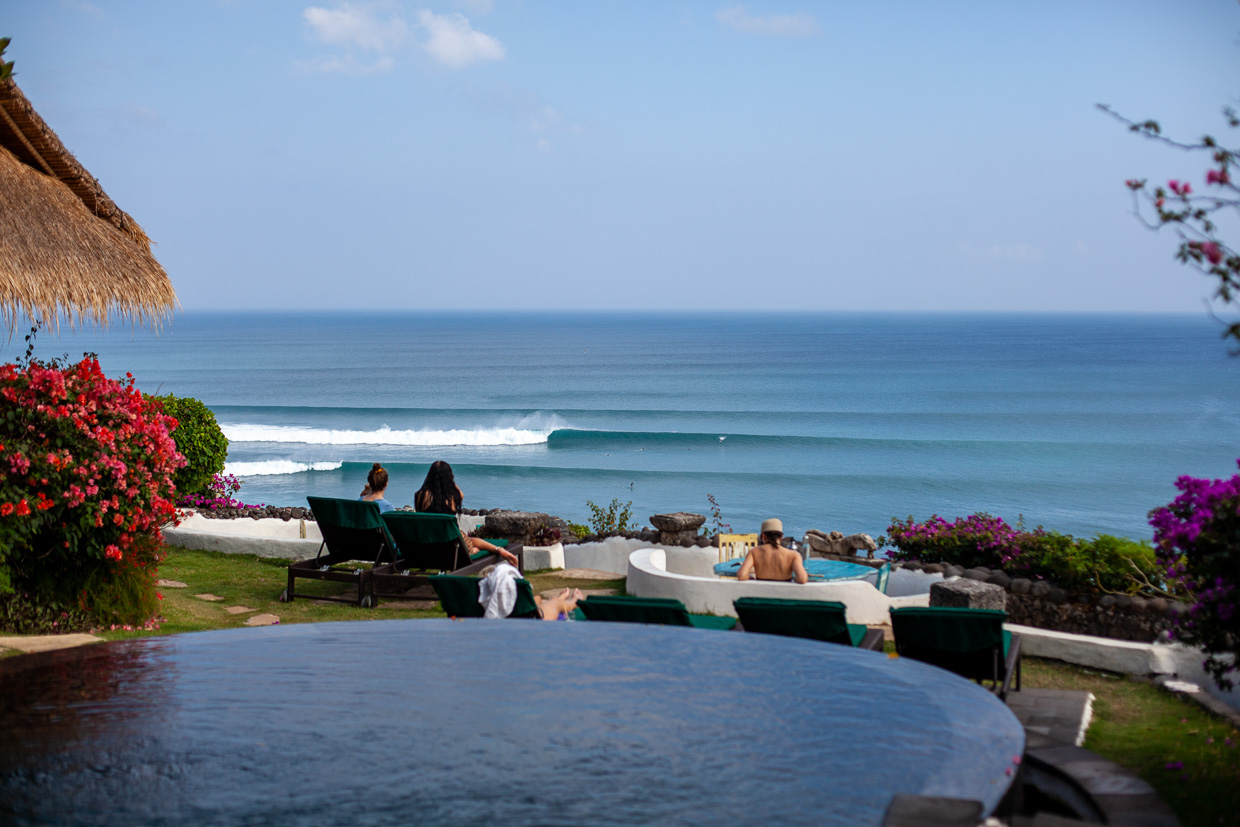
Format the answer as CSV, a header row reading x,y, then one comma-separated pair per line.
x,y
520,154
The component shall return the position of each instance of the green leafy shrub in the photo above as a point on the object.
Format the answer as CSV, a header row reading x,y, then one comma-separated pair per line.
x,y
579,531
614,519
86,470
200,441
22,613
1104,564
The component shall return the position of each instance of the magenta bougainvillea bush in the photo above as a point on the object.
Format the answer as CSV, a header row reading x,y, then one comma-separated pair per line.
x,y
1198,540
86,470
1088,566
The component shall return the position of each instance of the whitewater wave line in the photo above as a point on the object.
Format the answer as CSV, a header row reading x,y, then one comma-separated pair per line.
x,y
272,467
244,432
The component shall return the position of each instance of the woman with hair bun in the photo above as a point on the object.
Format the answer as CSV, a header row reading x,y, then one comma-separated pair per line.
x,y
439,494
376,487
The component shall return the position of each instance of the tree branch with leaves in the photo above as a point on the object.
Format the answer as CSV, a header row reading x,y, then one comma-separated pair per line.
x,y
1194,215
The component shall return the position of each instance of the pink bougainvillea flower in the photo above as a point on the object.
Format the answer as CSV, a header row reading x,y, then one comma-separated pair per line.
x,y
1218,176
1180,188
1212,252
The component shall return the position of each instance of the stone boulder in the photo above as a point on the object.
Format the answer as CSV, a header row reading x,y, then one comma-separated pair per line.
x,y
678,528
515,526
838,544
968,594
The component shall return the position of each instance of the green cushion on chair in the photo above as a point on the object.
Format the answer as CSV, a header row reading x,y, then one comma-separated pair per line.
x,y
814,619
948,630
459,596
412,527
354,514
721,623
655,610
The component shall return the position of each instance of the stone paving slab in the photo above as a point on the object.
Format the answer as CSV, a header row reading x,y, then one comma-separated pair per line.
x,y
238,610
210,598
262,620
1061,714
171,584
46,643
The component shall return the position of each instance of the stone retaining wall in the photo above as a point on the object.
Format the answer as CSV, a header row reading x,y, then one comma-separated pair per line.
x,y
1042,604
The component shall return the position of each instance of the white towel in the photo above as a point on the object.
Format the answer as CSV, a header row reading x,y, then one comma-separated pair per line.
x,y
498,591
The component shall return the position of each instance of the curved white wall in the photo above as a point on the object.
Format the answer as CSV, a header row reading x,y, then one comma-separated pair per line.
x,y
648,576
613,553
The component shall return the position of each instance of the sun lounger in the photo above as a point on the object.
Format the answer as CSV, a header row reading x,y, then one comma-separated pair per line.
x,y
658,610
352,531
459,597
813,619
428,544
970,642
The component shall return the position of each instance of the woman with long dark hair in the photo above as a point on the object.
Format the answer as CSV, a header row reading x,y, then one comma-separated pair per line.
x,y
440,494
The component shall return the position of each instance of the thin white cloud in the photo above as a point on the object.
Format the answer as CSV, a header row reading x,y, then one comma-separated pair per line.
x,y
346,65
358,26
775,25
138,113
476,6
88,9
1021,251
547,126
455,43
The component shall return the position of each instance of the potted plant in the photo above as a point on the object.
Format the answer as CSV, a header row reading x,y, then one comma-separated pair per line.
x,y
544,550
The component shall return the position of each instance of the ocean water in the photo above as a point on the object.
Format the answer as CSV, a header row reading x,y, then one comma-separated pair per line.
x,y
1080,423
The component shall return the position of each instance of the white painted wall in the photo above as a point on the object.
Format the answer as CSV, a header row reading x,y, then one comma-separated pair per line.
x,y
263,538
648,576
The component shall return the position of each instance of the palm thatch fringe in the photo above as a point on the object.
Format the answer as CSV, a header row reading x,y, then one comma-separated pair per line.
x,y
58,260
66,250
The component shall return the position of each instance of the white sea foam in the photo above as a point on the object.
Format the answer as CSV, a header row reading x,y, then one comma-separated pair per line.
x,y
243,432
276,466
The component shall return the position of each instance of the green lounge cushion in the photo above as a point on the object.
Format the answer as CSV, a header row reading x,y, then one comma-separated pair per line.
x,y
459,596
419,529
355,514
814,619
656,610
352,529
950,630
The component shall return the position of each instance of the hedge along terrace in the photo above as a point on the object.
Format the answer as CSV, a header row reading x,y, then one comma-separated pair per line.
x,y
1103,565
88,468
1196,559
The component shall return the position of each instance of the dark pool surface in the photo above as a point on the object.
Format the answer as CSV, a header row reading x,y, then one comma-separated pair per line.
x,y
467,722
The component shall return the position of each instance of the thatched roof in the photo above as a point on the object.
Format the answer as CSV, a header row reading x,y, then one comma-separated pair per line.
x,y
66,250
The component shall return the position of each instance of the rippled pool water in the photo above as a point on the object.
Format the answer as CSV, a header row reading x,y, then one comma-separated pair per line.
x,y
465,722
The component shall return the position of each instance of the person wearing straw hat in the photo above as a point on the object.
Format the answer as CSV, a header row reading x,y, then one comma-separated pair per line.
x,y
770,560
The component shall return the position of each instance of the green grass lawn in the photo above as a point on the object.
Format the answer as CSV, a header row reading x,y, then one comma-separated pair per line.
x,y
1135,724
257,582
1188,755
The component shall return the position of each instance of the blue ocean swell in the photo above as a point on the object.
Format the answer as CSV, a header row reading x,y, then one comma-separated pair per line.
x,y
830,420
